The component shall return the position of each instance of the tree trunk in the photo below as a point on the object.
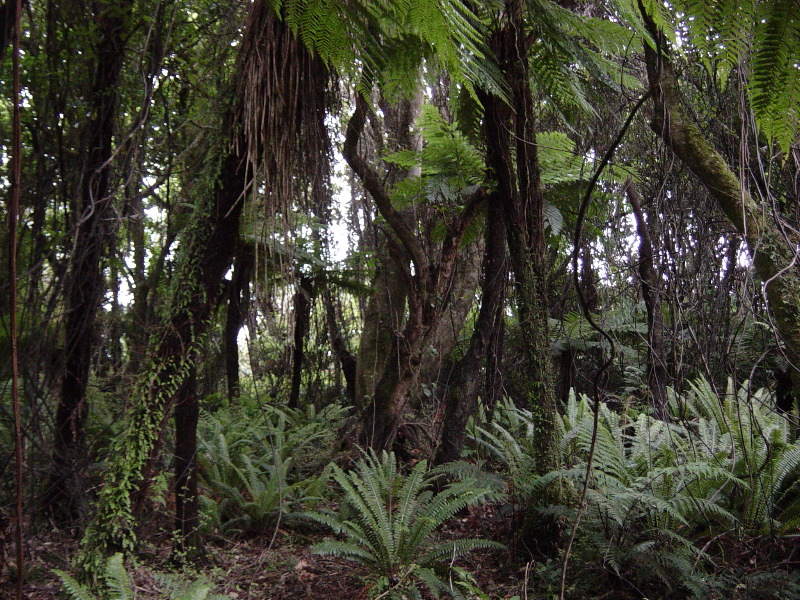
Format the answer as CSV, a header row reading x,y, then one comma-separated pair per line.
x,y
461,394
187,544
384,316
657,376
436,367
302,321
774,250
515,166
377,370
518,182
428,284
238,307
207,250
205,257
85,284
346,360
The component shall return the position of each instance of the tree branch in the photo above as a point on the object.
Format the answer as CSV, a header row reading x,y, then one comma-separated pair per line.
x,y
774,257
372,183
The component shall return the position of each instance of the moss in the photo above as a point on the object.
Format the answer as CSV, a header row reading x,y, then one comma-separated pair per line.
x,y
774,256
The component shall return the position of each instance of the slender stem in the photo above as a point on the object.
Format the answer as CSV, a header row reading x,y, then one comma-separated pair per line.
x,y
16,177
587,315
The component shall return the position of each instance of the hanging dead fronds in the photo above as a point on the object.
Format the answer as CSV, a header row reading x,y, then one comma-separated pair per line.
x,y
283,97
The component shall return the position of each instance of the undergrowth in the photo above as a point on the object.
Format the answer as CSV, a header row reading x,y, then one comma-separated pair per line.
x,y
667,500
388,521
117,585
263,466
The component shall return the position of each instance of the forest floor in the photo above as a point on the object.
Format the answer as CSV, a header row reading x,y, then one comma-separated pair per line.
x,y
280,566
272,566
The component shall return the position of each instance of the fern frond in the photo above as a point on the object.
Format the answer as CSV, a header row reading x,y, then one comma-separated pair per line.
x,y
452,549
117,580
71,586
409,497
344,550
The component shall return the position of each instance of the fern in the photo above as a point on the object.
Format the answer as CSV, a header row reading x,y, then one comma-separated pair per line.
x,y
73,588
764,35
450,165
118,585
117,580
775,81
727,463
377,42
255,479
389,520
179,588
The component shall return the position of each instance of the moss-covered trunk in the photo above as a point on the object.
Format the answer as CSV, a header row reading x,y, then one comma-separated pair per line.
x,y
395,333
385,315
512,157
774,249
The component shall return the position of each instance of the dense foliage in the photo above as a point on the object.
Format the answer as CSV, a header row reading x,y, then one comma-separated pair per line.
x,y
402,286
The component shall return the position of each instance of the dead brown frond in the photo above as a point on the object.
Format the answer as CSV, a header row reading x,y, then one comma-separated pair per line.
x,y
283,98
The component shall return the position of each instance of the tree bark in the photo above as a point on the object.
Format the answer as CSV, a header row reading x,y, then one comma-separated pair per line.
x,y
238,307
461,394
436,367
302,321
516,169
428,286
8,16
187,544
512,156
657,375
346,360
385,315
85,283
774,252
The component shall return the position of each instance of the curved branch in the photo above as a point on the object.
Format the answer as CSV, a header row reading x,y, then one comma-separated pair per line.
x,y
774,256
372,183
576,245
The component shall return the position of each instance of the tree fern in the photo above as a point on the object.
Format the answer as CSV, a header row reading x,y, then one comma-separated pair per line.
x,y
377,42
763,38
775,79
571,53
